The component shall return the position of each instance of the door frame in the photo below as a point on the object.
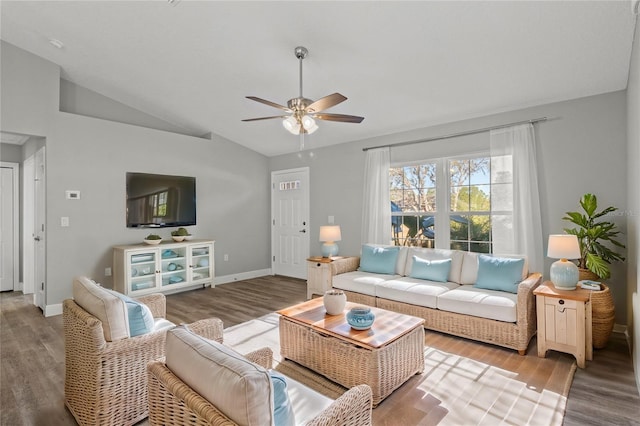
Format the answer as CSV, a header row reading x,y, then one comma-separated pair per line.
x,y
15,167
275,173
28,225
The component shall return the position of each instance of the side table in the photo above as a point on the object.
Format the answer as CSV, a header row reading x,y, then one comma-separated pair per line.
x,y
564,321
319,274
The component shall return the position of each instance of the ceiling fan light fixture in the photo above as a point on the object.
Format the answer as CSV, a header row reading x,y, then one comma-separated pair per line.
x,y
309,124
291,124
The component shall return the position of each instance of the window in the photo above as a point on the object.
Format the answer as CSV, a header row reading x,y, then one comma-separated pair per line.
x,y
413,204
444,203
470,204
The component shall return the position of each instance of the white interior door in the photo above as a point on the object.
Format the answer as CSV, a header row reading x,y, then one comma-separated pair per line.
x,y
290,222
8,226
40,230
28,225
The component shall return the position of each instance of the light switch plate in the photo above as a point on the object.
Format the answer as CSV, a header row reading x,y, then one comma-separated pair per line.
x,y
72,194
64,221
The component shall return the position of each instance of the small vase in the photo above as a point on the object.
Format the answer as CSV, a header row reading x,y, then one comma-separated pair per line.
x,y
334,301
360,317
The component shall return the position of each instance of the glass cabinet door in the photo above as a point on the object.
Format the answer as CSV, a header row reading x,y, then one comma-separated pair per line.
x,y
142,270
201,262
173,266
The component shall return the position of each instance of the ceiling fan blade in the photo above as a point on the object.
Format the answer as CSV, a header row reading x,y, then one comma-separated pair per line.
x,y
265,118
266,102
326,102
339,117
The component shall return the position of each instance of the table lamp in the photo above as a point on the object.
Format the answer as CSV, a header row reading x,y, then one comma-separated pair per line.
x,y
564,274
330,234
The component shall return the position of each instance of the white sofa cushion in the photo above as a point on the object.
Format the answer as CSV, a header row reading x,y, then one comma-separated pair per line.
x,y
491,304
414,291
109,309
469,273
360,282
239,388
456,257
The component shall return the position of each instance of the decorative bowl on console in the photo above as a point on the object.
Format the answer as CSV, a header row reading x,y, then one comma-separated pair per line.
x,y
153,239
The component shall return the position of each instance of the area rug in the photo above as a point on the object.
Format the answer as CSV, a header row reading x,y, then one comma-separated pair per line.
x,y
469,383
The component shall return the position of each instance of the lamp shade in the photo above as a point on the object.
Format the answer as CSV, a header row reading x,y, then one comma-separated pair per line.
x,y
563,246
330,233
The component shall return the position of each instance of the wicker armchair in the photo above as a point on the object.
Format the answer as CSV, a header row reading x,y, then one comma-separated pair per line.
x,y
106,382
172,402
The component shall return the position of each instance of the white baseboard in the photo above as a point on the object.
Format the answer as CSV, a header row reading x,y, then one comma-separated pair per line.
x,y
224,279
620,328
19,287
53,310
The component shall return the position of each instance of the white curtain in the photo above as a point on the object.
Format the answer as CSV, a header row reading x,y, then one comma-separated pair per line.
x,y
376,205
515,202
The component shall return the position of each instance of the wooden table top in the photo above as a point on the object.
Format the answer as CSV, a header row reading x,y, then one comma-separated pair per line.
x,y
387,327
548,289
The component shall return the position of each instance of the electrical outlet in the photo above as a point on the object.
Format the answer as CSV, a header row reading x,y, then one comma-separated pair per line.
x,y
226,257
107,272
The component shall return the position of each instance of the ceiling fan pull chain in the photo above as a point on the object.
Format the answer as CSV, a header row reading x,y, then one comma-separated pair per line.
x,y
301,141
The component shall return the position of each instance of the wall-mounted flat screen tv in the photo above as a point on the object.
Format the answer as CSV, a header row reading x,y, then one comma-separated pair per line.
x,y
155,201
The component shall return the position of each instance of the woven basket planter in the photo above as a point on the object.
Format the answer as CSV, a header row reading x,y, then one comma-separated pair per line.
x,y
603,316
585,274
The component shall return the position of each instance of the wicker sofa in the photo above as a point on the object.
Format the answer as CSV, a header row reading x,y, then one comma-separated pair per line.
x,y
455,307
204,383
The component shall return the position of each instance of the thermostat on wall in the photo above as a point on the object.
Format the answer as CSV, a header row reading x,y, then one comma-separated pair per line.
x,y
72,194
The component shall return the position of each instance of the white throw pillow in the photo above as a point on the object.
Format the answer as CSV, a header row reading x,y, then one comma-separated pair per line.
x,y
109,309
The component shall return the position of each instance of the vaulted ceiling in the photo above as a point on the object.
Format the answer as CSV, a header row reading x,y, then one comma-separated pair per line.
x,y
402,65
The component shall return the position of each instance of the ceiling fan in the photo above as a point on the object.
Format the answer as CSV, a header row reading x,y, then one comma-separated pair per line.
x,y
302,111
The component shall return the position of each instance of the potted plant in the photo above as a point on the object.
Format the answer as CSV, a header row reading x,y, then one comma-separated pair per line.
x,y
592,233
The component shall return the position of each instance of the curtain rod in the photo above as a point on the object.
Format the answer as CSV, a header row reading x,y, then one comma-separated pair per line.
x,y
454,135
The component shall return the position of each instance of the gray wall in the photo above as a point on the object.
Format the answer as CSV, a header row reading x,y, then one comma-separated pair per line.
x,y
581,148
93,155
633,202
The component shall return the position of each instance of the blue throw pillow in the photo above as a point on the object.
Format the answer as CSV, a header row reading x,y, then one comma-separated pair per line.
x,y
432,270
282,410
379,260
140,316
498,273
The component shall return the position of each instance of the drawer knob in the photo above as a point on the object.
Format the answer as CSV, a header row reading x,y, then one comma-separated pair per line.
x,y
318,265
561,302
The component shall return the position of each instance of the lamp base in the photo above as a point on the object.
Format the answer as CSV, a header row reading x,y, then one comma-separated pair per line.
x,y
330,249
564,274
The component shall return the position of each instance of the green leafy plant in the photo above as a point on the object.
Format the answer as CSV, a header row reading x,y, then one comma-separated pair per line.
x,y
592,232
153,237
180,232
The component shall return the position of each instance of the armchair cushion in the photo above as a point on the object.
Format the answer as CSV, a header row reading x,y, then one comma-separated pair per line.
x,y
109,309
139,315
282,409
208,366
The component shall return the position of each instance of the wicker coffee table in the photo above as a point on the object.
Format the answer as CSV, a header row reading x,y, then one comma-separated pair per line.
x,y
384,357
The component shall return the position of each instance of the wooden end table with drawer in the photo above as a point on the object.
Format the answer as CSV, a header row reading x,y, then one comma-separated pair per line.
x,y
384,356
564,321
319,274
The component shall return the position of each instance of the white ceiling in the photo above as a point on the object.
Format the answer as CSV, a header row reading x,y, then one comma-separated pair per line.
x,y
403,65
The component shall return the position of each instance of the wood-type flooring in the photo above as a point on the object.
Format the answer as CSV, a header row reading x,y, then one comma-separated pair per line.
x,y
32,354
